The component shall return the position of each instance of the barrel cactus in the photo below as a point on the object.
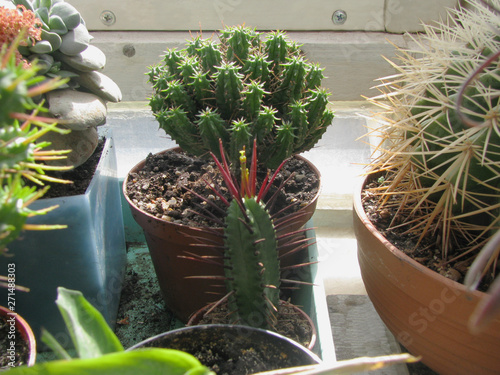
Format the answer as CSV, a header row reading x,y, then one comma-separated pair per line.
x,y
440,137
243,87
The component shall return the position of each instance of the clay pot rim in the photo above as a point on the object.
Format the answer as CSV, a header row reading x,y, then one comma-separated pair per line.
x,y
363,217
141,164
197,315
26,332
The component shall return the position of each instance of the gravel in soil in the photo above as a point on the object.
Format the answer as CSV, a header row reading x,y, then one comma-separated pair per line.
x,y
401,232
290,323
164,188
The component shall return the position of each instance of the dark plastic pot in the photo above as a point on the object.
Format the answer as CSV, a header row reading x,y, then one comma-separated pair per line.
x,y
89,255
195,320
168,242
233,343
23,329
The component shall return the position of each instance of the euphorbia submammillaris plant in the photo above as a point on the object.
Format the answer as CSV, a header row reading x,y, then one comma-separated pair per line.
x,y
240,88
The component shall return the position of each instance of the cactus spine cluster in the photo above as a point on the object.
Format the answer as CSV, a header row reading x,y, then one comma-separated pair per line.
x,y
243,87
19,156
441,133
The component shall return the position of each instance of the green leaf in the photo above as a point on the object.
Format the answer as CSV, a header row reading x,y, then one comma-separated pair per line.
x,y
66,74
142,361
46,4
88,329
54,345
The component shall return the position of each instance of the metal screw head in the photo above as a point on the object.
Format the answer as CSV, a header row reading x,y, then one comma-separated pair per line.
x,y
107,17
339,17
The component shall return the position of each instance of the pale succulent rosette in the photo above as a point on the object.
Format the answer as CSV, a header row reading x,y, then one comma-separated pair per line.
x,y
64,50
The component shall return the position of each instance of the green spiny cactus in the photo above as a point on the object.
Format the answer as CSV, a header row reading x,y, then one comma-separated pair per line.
x,y
251,263
19,156
251,249
253,82
441,138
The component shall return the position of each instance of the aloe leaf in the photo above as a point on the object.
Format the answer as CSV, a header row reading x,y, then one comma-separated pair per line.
x,y
88,329
142,361
54,345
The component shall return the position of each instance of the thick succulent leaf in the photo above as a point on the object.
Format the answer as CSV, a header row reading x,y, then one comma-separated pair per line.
x,y
43,46
57,25
46,4
27,4
68,13
53,38
43,15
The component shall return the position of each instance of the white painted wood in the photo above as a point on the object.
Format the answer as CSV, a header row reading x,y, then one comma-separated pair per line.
x,y
409,15
174,15
352,60
394,16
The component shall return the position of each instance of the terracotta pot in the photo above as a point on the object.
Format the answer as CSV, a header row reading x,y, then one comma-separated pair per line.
x,y
426,312
234,342
25,331
168,242
197,316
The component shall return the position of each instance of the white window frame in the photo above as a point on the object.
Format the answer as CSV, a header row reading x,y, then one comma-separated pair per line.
x,y
292,15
